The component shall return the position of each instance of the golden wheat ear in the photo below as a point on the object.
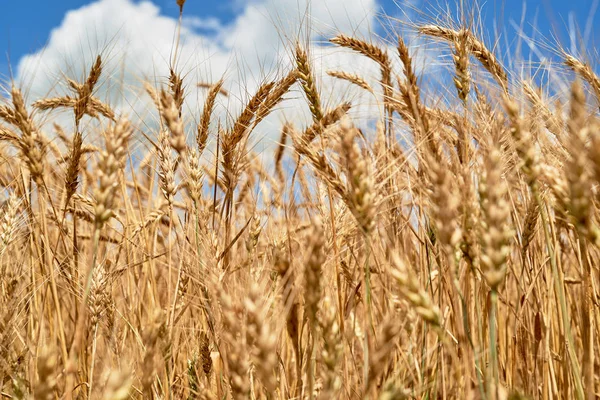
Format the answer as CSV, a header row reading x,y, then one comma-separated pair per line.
x,y
586,72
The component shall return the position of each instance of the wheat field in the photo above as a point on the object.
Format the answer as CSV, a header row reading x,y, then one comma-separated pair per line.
x,y
444,250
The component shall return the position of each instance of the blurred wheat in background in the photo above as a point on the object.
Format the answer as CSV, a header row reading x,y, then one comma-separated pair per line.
x,y
428,249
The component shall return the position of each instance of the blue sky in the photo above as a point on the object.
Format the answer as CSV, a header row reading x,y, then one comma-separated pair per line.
x,y
25,25
244,41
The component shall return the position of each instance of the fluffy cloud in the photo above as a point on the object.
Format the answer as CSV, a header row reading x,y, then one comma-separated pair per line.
x,y
137,43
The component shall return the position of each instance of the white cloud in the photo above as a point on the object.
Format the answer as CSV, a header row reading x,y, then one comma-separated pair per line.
x,y
136,42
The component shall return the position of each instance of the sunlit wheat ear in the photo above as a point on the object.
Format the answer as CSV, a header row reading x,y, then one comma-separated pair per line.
x,y
586,72
209,105
552,121
244,122
412,84
462,80
330,118
172,118
352,78
8,135
7,114
471,224
8,221
555,180
150,219
194,176
83,103
307,81
233,145
28,143
322,167
110,163
100,299
72,174
530,225
166,167
275,96
577,168
94,108
361,192
411,290
476,47
444,203
374,53
367,49
496,233
525,146
411,108
176,89
237,351
262,337
86,90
